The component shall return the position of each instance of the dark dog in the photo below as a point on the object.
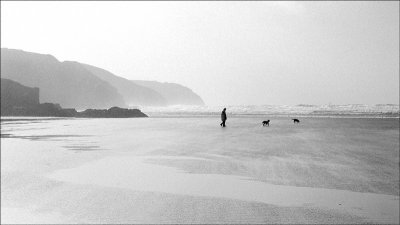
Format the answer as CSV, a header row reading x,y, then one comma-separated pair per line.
x,y
265,123
296,121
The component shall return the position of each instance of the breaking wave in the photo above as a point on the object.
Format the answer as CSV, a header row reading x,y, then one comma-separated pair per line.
x,y
350,110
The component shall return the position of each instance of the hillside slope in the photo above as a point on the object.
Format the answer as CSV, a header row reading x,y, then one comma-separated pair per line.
x,y
67,83
133,94
175,94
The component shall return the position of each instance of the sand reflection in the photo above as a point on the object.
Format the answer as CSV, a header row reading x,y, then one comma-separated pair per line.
x,y
134,173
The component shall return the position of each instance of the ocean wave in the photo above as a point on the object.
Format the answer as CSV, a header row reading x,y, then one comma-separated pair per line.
x,y
359,110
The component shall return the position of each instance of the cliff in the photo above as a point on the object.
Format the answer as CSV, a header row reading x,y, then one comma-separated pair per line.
x,y
82,86
15,95
66,83
19,100
175,94
132,93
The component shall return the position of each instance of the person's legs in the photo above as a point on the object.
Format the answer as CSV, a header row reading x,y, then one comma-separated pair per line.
x,y
223,123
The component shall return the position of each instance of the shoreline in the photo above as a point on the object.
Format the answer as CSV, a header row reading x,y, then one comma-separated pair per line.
x,y
175,115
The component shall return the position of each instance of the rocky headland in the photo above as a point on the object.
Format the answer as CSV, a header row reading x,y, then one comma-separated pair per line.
x,y
20,100
82,86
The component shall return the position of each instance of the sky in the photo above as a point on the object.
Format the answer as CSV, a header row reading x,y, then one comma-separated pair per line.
x,y
230,53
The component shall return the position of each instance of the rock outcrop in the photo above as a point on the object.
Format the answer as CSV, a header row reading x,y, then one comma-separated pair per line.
x,y
114,112
19,100
15,95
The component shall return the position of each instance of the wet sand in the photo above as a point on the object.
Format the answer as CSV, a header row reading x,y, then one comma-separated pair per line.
x,y
133,173
315,176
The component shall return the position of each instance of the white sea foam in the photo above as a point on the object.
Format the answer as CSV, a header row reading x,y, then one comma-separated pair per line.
x,y
350,110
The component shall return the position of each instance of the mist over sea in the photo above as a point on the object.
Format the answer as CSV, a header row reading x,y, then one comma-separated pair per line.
x,y
301,110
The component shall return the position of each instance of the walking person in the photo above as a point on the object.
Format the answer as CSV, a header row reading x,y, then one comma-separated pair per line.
x,y
223,117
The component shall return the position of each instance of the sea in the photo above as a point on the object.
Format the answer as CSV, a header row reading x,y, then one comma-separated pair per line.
x,y
301,110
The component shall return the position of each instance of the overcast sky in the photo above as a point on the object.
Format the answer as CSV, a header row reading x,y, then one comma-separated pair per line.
x,y
227,52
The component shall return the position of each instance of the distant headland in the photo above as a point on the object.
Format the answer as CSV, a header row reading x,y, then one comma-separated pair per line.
x,y
81,86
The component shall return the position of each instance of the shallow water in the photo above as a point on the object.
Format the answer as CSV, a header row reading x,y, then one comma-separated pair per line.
x,y
353,162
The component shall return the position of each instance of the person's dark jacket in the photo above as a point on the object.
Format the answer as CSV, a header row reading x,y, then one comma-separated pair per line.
x,y
223,116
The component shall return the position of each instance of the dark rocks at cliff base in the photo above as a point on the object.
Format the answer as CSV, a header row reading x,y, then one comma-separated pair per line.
x,y
114,112
50,109
45,109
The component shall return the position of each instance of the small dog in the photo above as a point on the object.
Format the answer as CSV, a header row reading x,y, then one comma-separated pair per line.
x,y
296,121
265,123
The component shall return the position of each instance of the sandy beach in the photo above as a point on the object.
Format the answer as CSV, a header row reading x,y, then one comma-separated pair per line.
x,y
190,170
200,112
